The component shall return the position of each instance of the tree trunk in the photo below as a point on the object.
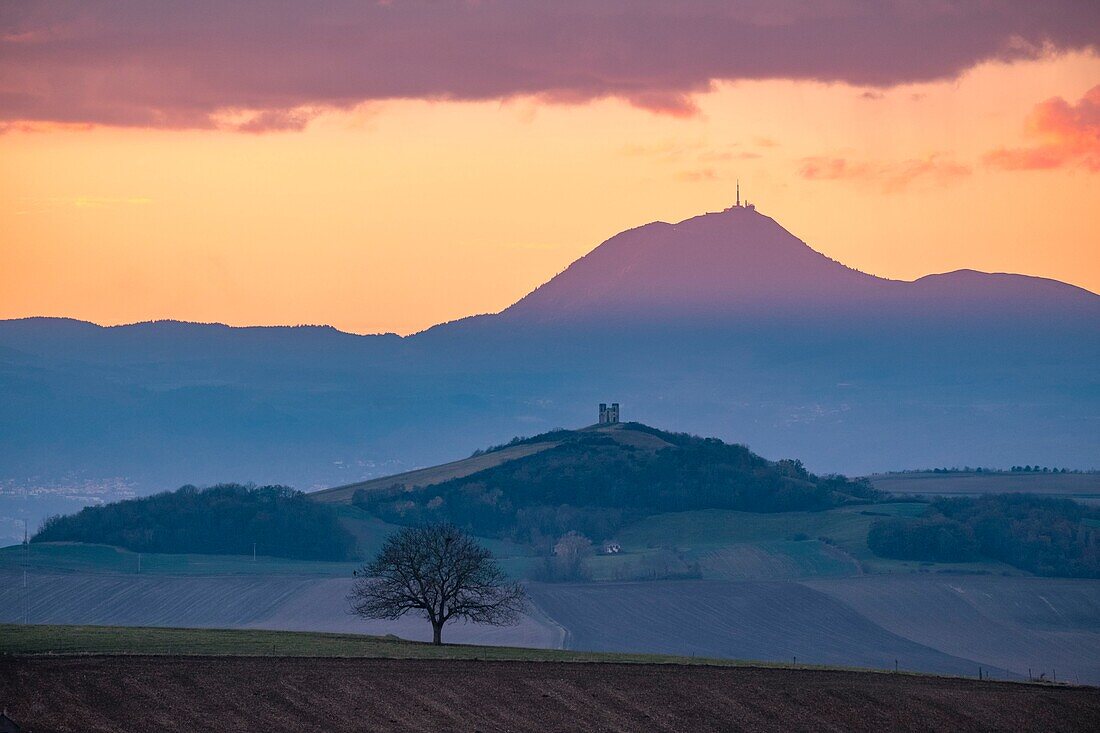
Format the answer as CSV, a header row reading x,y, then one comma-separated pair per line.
x,y
437,634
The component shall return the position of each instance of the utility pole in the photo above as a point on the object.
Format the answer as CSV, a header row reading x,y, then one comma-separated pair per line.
x,y
253,552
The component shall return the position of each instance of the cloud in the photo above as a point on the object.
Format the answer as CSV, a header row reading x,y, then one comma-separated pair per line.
x,y
192,64
1064,134
99,202
697,176
261,121
698,160
51,204
890,177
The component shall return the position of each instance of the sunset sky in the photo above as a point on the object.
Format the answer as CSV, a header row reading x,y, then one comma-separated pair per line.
x,y
385,168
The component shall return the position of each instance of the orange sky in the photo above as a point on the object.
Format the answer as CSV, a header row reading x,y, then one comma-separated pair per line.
x,y
401,214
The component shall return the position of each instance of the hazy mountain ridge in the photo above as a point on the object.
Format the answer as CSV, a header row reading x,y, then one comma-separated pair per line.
x,y
724,324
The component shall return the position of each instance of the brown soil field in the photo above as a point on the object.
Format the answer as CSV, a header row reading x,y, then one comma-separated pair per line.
x,y
92,694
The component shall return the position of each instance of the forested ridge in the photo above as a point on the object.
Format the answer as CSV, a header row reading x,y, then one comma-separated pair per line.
x,y
594,483
1043,535
220,520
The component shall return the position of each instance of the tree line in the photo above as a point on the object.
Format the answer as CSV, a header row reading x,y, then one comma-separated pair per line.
x,y
220,520
1043,535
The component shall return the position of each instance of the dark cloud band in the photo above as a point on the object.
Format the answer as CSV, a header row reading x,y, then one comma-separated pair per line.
x,y
170,64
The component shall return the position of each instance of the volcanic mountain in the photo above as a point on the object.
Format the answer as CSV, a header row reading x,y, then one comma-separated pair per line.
x,y
739,262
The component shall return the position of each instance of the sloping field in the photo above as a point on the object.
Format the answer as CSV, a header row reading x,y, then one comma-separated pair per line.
x,y
20,640
53,557
250,694
948,624
1084,486
777,560
716,531
324,608
770,621
473,464
716,527
75,557
1049,625
287,602
433,475
128,600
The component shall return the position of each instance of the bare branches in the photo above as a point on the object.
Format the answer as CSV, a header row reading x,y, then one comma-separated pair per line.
x,y
442,573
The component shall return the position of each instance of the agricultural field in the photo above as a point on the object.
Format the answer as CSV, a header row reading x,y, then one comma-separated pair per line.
x,y
796,544
944,624
18,639
777,560
768,621
68,557
689,530
1048,625
1081,486
292,602
928,622
761,586
188,693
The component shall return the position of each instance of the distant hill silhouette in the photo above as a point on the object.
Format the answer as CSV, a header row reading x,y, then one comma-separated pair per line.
x,y
724,324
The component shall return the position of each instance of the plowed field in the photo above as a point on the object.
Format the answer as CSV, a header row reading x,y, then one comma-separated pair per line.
x,y
312,694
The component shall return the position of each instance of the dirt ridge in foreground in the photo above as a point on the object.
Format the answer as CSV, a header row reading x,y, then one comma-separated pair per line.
x,y
143,693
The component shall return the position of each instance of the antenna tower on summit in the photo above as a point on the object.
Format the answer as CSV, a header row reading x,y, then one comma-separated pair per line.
x,y
738,191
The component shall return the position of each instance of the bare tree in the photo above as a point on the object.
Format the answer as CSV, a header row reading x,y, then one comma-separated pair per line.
x,y
440,572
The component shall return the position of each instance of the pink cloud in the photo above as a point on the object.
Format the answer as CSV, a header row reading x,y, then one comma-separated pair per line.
x,y
1064,134
274,120
184,64
890,177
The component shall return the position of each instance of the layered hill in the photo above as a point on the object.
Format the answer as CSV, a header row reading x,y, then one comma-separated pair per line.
x,y
724,324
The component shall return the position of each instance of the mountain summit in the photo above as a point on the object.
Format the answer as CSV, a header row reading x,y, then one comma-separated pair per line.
x,y
735,259
739,262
